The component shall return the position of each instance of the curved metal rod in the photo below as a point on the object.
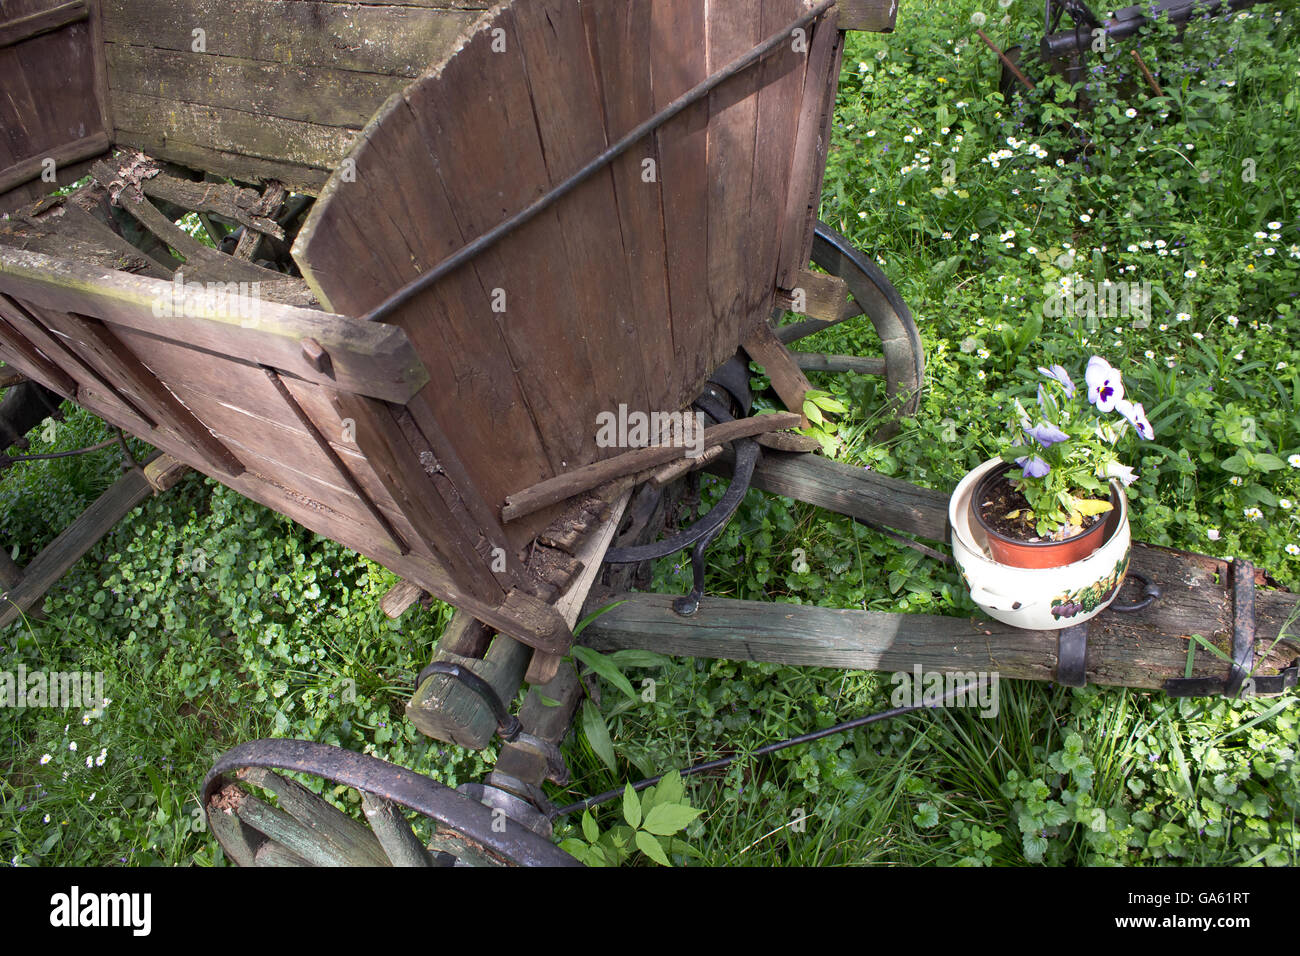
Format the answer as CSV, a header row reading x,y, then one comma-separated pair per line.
x,y
748,453
503,837
1151,592
508,725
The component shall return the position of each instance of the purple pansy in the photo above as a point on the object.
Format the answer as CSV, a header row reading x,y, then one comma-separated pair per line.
x,y
1033,466
1047,435
1059,373
1137,417
1104,385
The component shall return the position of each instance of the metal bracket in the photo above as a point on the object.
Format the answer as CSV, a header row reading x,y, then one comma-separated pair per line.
x,y
1239,682
1071,655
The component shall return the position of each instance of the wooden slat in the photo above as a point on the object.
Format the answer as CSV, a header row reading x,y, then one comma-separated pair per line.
x,y
873,16
1142,649
58,557
384,445
34,24
617,33
95,342
348,836
233,131
550,359
787,380
397,40
567,107
368,358
22,316
682,147
21,353
164,472
398,840
734,28
398,599
590,476
805,178
473,390
63,155
822,296
301,179
322,96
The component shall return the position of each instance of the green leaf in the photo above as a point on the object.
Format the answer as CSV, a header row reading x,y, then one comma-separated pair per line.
x,y
1266,462
668,818
589,828
826,403
603,666
651,848
634,657
1236,465
593,725
582,625
813,413
631,807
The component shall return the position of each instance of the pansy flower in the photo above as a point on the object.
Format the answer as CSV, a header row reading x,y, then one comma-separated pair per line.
x,y
1033,466
1059,373
1137,417
1047,434
1104,385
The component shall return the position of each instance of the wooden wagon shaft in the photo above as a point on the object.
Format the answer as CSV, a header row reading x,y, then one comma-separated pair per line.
x,y
1143,649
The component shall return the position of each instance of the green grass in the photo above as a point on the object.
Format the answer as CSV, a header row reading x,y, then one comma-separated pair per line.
x,y
279,632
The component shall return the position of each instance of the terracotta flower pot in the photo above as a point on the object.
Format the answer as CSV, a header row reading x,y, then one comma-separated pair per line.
x,y
1042,554
1036,598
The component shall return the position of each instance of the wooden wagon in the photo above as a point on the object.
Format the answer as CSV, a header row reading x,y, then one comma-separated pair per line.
x,y
451,237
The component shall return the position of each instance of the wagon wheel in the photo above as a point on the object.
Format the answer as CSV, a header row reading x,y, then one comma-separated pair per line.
x,y
288,825
872,295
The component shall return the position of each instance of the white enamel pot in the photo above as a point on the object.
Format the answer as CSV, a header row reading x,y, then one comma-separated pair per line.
x,y
1037,599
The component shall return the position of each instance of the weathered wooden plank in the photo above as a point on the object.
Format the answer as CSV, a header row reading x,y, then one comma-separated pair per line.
x,y
816,362
296,837
567,107
233,131
543,668
301,179
550,359
617,34
98,345
589,476
818,296
64,154
358,845
34,24
66,230
1122,652
233,202
399,842
21,316
873,16
58,557
324,97
398,599
23,354
854,491
381,439
355,265
787,380
399,40
682,148
733,235
367,358
804,196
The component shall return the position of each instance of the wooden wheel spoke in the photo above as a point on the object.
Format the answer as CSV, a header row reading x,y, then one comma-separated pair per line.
x,y
395,835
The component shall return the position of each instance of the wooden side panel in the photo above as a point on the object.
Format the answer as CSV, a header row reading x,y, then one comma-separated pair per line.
x,y
268,88
54,106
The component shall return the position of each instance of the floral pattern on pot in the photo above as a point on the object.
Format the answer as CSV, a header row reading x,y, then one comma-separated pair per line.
x,y
1094,595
